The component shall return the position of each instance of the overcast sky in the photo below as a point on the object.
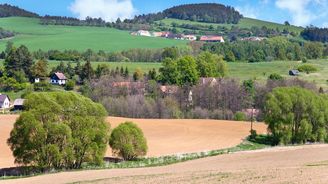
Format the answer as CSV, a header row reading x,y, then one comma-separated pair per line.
x,y
297,12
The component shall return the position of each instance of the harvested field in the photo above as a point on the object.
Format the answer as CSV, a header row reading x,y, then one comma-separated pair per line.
x,y
165,137
302,164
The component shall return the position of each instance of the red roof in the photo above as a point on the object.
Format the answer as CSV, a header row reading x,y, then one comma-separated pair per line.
x,y
60,76
211,38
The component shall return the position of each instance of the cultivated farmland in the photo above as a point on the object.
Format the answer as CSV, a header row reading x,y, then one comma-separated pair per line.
x,y
165,137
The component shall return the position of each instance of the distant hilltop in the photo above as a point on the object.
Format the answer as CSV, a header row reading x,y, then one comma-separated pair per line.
x,y
7,10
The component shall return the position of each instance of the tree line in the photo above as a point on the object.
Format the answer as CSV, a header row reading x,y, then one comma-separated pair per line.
x,y
204,12
315,34
131,55
70,21
277,48
7,10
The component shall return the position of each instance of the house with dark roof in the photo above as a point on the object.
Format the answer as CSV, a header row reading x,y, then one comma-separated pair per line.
x,y
58,78
4,101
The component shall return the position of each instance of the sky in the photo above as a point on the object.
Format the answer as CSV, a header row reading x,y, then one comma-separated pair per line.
x,y
297,12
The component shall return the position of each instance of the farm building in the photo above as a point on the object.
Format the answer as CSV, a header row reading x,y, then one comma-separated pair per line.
x,y
212,39
19,104
58,78
294,72
4,101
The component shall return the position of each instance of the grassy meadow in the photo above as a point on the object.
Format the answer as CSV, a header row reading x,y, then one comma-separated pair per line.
x,y
36,36
244,23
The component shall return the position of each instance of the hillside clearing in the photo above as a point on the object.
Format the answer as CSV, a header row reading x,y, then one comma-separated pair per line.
x,y
36,36
165,137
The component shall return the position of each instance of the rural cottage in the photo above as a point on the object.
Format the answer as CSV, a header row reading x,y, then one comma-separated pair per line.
x,y
4,102
58,79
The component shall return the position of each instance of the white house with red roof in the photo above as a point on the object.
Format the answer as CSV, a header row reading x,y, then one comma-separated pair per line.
x,y
58,78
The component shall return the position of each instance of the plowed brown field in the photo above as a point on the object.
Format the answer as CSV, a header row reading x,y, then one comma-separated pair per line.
x,y
164,137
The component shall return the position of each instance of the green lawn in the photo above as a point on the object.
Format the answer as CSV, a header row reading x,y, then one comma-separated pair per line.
x,y
36,36
244,23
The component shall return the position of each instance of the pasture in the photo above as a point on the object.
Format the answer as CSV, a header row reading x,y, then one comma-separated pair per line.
x,y
36,36
164,137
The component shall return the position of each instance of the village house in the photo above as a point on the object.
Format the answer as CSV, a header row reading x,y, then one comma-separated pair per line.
x,y
19,104
212,39
4,101
58,78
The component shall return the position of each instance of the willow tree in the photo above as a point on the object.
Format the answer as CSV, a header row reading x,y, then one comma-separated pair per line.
x,y
59,130
297,115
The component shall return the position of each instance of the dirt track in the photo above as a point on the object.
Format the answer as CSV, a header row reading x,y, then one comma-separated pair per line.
x,y
164,137
305,164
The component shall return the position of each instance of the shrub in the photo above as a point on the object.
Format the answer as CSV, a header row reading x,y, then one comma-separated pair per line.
x,y
307,68
42,86
70,85
59,130
304,60
240,116
128,141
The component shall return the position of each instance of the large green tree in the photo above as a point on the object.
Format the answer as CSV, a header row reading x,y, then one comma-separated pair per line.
x,y
40,69
59,130
296,115
187,68
210,65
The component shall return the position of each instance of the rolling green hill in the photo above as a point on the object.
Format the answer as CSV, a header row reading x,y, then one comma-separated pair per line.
x,y
35,36
243,23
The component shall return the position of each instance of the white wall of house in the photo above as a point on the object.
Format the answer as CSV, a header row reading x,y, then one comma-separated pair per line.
x,y
6,104
58,82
